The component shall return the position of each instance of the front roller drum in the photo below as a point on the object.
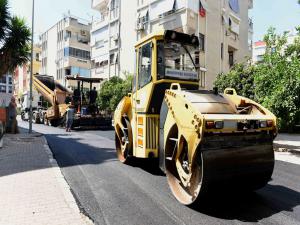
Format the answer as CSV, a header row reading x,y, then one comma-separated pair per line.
x,y
221,170
123,140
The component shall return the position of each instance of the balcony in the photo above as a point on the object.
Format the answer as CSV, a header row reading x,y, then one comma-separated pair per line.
x,y
99,24
250,21
100,4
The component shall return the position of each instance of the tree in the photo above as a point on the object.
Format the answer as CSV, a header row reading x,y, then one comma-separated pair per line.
x,y
240,77
112,91
274,83
278,79
14,40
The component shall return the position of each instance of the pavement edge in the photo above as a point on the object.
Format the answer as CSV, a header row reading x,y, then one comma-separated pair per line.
x,y
67,191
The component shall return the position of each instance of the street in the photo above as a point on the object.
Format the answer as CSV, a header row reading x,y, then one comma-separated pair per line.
x,y
112,193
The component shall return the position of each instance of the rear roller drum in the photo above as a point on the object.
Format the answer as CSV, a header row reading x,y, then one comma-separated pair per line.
x,y
178,172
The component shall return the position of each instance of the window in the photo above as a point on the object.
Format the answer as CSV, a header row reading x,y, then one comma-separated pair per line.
x,y
135,73
112,4
202,42
231,58
37,57
175,60
160,60
77,53
66,52
3,80
2,89
68,34
111,58
9,80
260,58
68,71
140,2
144,65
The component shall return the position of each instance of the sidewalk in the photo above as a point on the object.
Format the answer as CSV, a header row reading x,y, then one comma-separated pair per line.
x,y
32,188
287,148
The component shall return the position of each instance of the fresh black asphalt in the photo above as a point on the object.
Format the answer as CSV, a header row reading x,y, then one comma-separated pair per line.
x,y
113,193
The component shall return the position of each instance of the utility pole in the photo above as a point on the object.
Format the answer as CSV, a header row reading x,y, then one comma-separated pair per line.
x,y
31,70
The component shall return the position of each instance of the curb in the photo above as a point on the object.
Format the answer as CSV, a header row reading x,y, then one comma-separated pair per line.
x,y
67,191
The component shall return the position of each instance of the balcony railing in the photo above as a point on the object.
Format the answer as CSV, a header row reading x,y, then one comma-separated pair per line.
x,y
250,22
99,24
114,14
99,4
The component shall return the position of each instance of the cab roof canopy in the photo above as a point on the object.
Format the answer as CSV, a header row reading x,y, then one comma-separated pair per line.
x,y
84,79
170,35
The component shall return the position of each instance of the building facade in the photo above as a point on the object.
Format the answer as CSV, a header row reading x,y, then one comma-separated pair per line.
x,y
6,89
22,73
66,49
113,37
223,27
259,47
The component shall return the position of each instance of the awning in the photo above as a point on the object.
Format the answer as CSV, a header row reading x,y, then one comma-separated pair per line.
x,y
225,19
161,7
235,23
143,13
204,5
100,58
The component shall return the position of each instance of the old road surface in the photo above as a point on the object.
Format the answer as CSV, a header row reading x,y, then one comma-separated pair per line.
x,y
112,193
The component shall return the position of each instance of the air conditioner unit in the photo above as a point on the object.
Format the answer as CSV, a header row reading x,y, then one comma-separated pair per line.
x,y
140,26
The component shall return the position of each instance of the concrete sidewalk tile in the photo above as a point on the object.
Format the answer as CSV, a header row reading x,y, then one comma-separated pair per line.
x,y
32,187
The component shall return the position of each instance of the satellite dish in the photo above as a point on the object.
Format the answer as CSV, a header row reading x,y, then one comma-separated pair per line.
x,y
234,5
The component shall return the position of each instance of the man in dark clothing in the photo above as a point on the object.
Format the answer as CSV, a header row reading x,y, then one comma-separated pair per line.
x,y
12,116
93,96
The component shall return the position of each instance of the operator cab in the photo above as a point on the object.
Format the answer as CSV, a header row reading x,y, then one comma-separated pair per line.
x,y
164,58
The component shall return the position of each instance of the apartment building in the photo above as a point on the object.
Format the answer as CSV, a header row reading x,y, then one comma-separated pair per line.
x,y
22,73
223,27
110,43
259,47
66,49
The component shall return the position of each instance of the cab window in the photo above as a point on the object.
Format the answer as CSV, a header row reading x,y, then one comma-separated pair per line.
x,y
144,65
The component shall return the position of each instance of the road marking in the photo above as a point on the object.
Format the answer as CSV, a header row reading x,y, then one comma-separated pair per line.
x,y
287,157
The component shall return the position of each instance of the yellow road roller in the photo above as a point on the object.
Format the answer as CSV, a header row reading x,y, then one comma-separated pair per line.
x,y
204,141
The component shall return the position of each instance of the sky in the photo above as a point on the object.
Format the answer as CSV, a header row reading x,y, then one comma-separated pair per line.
x,y
49,12
281,14
284,15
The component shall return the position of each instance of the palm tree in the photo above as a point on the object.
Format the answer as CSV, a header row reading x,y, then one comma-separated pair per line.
x,y
14,40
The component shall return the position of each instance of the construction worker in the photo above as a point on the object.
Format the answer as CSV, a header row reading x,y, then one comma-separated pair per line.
x,y
69,118
12,116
